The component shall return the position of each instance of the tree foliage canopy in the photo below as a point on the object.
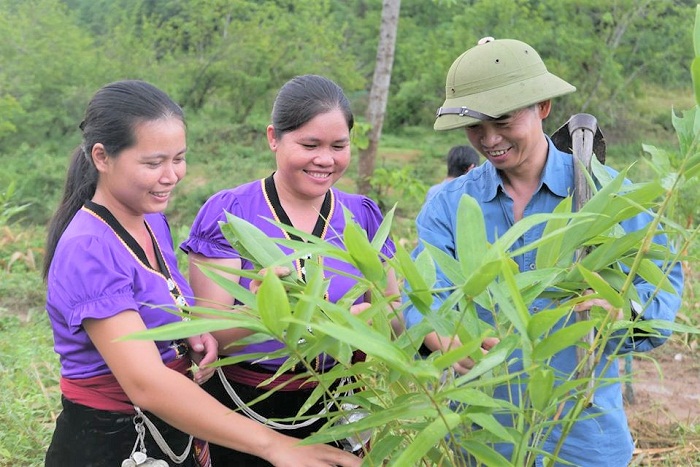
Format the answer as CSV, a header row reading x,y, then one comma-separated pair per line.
x,y
232,55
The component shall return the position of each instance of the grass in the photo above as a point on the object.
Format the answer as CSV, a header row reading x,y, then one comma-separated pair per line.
x,y
30,396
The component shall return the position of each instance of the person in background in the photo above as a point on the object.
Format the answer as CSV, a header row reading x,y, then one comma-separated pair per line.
x,y
460,160
111,271
499,92
310,138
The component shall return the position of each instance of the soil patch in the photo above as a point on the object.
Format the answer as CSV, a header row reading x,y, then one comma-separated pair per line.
x,y
663,405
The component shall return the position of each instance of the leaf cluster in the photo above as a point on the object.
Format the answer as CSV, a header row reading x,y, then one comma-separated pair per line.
x,y
418,409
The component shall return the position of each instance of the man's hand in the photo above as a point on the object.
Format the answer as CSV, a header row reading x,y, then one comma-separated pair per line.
x,y
615,313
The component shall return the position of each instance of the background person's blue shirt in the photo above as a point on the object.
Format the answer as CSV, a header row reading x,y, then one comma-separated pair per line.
x,y
433,190
602,439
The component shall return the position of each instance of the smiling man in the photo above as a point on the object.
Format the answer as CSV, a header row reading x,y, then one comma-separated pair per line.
x,y
499,92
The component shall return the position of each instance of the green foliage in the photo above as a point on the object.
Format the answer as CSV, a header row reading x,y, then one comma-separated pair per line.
x,y
49,67
10,111
29,400
411,402
16,251
8,209
396,184
679,169
225,59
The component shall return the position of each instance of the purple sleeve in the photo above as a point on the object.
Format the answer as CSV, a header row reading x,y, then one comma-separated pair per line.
x,y
100,285
205,236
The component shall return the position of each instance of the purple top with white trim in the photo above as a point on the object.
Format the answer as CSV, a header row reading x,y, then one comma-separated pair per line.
x,y
249,202
94,274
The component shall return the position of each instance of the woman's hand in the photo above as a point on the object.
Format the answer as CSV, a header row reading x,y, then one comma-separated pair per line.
x,y
463,366
279,271
359,308
203,351
288,453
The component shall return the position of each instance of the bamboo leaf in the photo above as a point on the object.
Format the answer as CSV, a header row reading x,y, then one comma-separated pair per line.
x,y
304,309
610,252
213,272
561,339
652,273
452,356
652,326
548,256
369,342
427,438
484,453
540,388
601,287
273,305
475,398
520,228
194,327
514,306
364,256
470,241
447,264
695,66
545,320
396,414
692,165
384,230
484,275
251,242
490,424
382,448
419,288
495,357
531,284
696,34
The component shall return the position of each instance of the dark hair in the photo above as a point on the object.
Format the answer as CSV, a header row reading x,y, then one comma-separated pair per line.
x,y
111,118
304,97
459,159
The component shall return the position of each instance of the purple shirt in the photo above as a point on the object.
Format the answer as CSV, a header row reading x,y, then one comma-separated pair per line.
x,y
95,275
249,202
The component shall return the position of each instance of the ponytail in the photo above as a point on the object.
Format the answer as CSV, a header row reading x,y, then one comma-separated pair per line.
x,y
81,182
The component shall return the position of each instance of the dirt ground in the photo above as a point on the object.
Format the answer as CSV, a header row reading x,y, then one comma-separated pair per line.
x,y
663,405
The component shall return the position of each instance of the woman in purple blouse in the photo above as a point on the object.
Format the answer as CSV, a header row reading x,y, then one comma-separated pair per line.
x,y
310,137
111,271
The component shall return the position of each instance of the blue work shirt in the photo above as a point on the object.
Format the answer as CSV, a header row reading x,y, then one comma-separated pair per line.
x,y
434,189
601,436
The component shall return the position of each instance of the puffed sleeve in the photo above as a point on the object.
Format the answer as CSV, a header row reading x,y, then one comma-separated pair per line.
x,y
205,236
90,281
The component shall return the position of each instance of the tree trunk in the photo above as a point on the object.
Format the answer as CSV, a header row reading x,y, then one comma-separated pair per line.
x,y
379,92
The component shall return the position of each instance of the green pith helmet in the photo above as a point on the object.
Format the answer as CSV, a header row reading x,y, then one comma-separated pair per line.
x,y
495,78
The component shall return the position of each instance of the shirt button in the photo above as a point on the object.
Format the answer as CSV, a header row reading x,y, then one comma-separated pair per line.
x,y
532,266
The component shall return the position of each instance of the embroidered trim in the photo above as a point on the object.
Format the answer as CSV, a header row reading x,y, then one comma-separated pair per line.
x,y
320,228
322,222
102,213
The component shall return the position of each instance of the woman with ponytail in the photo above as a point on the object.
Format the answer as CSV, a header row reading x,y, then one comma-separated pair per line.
x,y
111,271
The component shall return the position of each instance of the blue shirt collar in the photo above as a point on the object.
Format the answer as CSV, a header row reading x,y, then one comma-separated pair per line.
x,y
556,175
